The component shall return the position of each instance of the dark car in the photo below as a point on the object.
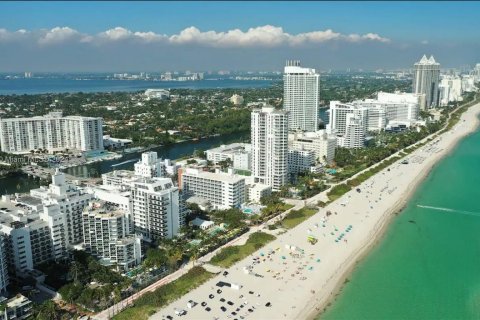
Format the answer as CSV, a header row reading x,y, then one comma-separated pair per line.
x,y
222,299
230,303
268,304
211,296
225,273
223,309
207,309
203,304
219,291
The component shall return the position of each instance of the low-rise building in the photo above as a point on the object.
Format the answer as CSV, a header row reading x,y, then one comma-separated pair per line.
x,y
321,143
256,191
239,153
300,161
115,143
150,166
18,307
222,190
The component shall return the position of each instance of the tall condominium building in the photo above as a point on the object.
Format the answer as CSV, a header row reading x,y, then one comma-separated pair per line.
x,y
156,208
476,73
450,89
321,143
53,132
349,123
150,166
67,201
426,79
301,94
222,190
269,135
107,235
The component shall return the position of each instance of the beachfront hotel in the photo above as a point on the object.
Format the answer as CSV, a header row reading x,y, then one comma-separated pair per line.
x,y
269,136
390,108
53,132
321,143
349,123
301,94
221,190
426,79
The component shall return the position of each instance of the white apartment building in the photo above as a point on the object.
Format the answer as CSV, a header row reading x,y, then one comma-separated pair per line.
x,y
150,166
156,208
107,235
300,161
349,123
476,73
53,132
355,132
301,95
151,202
69,200
321,143
28,240
221,190
269,136
450,89
468,83
426,79
239,153
256,191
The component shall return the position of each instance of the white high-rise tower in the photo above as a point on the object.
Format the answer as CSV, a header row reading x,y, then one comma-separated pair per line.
x,y
301,94
270,146
426,79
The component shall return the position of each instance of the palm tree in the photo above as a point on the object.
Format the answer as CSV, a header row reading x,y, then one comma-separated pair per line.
x,y
194,254
47,311
74,271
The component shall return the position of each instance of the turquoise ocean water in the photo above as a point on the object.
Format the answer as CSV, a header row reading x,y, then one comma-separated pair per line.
x,y
427,266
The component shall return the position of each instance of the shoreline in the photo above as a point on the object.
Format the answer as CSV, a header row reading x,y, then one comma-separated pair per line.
x,y
384,223
361,217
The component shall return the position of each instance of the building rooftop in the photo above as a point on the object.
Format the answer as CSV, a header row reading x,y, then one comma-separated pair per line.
x,y
220,176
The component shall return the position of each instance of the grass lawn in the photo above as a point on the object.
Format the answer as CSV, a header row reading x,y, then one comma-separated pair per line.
x,y
338,191
149,303
230,255
295,217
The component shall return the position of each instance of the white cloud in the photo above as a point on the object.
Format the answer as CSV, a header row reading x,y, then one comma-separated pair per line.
x,y
59,35
424,42
262,36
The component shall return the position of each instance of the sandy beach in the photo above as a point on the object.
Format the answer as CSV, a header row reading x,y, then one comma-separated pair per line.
x,y
291,278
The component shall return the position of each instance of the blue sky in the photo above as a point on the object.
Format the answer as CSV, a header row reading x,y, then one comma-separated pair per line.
x,y
403,30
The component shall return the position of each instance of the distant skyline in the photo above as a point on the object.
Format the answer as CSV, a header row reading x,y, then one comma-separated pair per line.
x,y
159,36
